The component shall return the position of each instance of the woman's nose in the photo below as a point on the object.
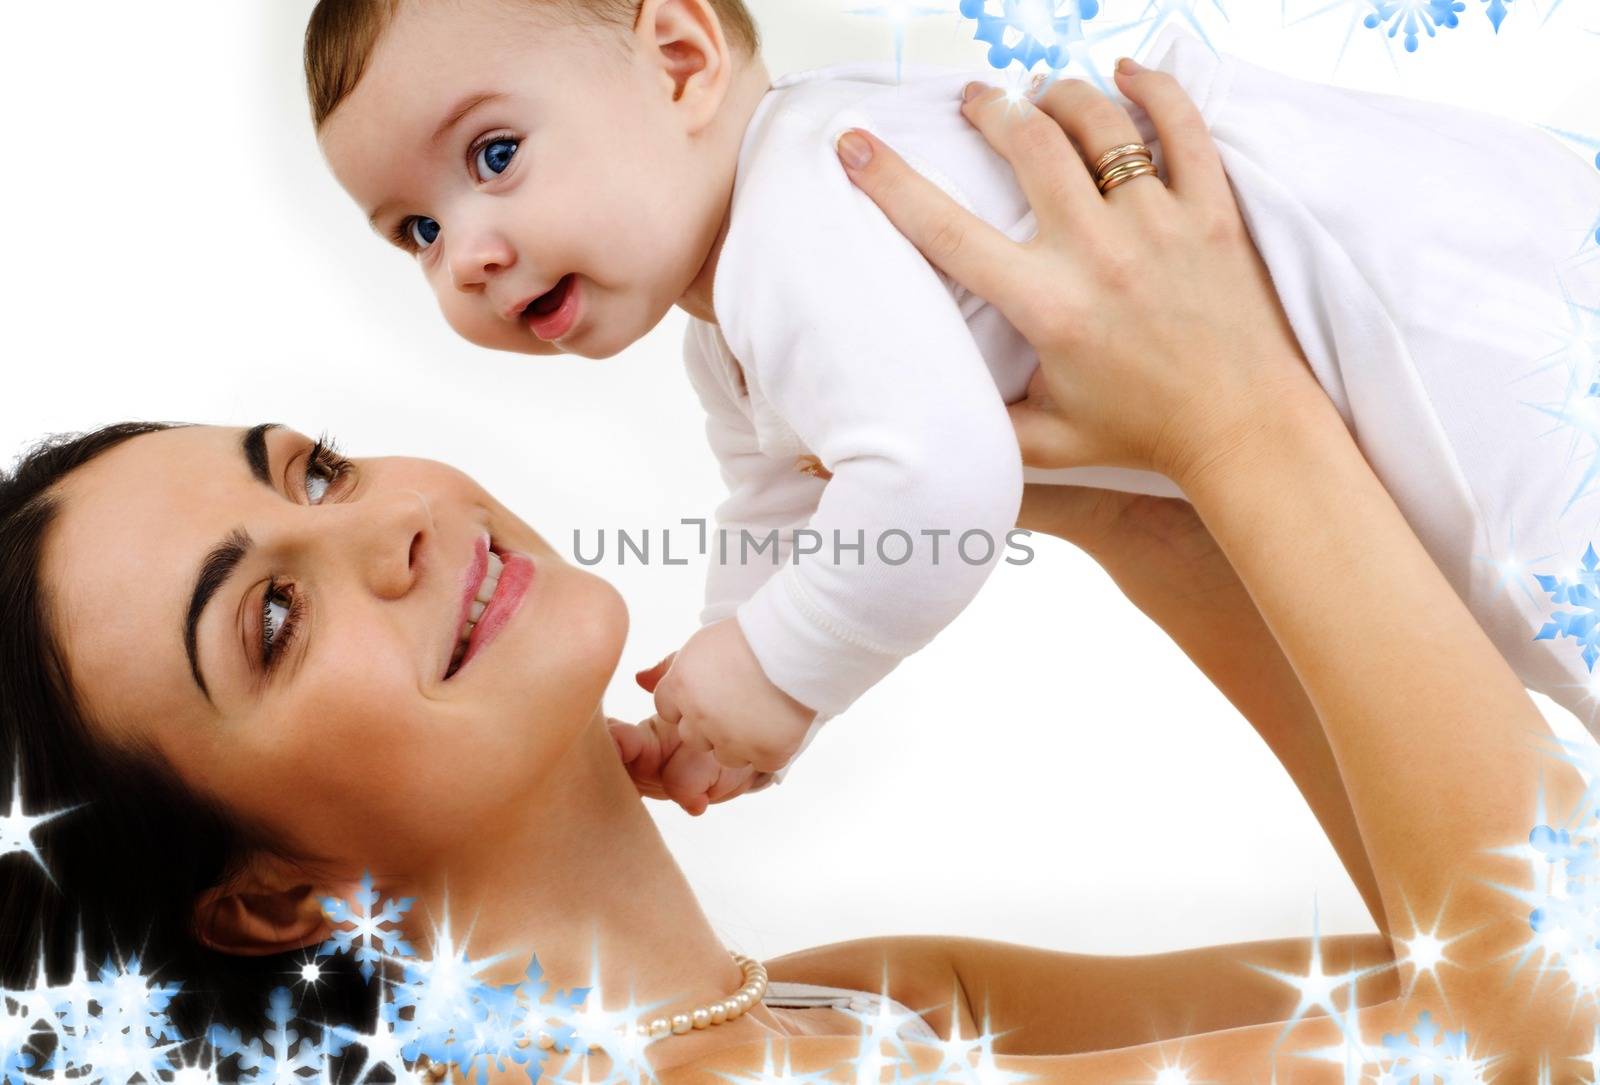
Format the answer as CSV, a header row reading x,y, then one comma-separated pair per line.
x,y
386,536
477,255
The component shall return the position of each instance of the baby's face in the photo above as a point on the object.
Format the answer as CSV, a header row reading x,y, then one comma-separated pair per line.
x,y
548,184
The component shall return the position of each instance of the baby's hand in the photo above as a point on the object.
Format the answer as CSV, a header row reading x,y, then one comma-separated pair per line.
x,y
663,769
723,703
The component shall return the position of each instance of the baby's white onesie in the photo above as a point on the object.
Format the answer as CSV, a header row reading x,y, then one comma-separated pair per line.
x,y
1416,248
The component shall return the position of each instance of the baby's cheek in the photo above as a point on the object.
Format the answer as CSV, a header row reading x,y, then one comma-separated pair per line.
x,y
463,320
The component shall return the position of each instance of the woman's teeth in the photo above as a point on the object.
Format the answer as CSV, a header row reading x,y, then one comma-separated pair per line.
x,y
480,602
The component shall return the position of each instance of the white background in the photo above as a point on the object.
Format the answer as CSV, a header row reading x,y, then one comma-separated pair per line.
x,y
1055,774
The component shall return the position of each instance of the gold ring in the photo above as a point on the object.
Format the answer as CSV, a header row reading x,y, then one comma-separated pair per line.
x,y
1104,161
1121,175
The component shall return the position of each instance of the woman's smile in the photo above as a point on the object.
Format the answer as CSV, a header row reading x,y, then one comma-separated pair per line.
x,y
493,587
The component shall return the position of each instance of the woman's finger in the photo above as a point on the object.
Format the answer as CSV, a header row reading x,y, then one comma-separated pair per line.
x,y
628,738
1096,125
1043,440
1193,166
1052,176
952,238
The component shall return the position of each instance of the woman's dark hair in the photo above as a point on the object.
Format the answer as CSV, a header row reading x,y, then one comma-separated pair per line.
x,y
127,863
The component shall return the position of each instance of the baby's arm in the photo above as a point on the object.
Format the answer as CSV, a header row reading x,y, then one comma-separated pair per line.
x,y
862,351
853,341
767,499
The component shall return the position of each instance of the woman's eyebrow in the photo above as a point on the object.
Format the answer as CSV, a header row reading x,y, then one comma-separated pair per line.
x,y
222,559
215,570
254,446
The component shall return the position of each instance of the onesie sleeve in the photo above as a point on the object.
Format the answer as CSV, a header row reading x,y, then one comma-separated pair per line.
x,y
767,498
863,353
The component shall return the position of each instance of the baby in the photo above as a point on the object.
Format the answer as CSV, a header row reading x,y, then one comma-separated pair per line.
x,y
566,171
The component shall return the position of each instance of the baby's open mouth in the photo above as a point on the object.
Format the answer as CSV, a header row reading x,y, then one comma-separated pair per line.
x,y
550,300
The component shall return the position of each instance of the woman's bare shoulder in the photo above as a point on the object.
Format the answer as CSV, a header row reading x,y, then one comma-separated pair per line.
x,y
925,972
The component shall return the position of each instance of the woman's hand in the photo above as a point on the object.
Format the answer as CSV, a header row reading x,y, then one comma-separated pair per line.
x,y
1158,331
1162,346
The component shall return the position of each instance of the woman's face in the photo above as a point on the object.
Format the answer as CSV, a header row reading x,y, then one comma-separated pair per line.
x,y
279,623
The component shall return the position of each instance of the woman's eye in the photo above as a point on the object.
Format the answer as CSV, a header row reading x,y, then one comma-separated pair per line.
x,y
422,231
319,478
325,467
275,610
493,157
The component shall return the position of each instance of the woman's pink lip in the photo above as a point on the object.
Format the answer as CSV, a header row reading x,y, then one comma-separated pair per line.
x,y
515,576
554,325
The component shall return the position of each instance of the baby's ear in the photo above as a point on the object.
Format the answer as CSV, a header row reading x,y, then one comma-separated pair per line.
x,y
259,913
684,38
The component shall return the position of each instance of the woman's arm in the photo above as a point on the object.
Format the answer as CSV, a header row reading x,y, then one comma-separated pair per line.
x,y
1050,1002
1162,346
1159,553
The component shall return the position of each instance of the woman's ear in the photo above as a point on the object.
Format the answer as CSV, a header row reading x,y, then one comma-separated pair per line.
x,y
684,38
255,916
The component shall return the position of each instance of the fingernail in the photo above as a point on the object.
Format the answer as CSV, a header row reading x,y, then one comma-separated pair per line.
x,y
971,91
1128,66
855,150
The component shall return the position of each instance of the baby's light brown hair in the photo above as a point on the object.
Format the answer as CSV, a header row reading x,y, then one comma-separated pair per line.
x,y
342,34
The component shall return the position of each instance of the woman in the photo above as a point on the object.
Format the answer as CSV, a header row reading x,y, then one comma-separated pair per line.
x,y
249,628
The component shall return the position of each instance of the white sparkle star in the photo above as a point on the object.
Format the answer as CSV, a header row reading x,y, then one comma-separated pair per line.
x,y
770,1075
1592,1056
614,1033
1317,988
1425,952
899,13
1513,569
16,828
1156,14
382,1048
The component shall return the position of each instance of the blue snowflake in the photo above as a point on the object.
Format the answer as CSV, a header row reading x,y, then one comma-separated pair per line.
x,y
16,1028
371,930
1415,15
1567,913
1028,32
124,1039
1427,1056
1583,592
1496,12
503,1027
285,1057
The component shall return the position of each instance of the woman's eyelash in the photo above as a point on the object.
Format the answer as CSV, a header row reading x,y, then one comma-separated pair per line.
x,y
274,645
326,458
325,461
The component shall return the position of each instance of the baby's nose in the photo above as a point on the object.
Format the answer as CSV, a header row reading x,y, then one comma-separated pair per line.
x,y
479,258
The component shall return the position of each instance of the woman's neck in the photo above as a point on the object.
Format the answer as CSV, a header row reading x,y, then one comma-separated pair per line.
x,y
581,878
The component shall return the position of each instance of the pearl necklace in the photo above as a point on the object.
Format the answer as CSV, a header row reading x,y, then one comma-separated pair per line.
x,y
714,1013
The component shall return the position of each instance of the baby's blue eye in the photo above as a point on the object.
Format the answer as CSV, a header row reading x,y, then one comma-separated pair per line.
x,y
423,231
494,157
